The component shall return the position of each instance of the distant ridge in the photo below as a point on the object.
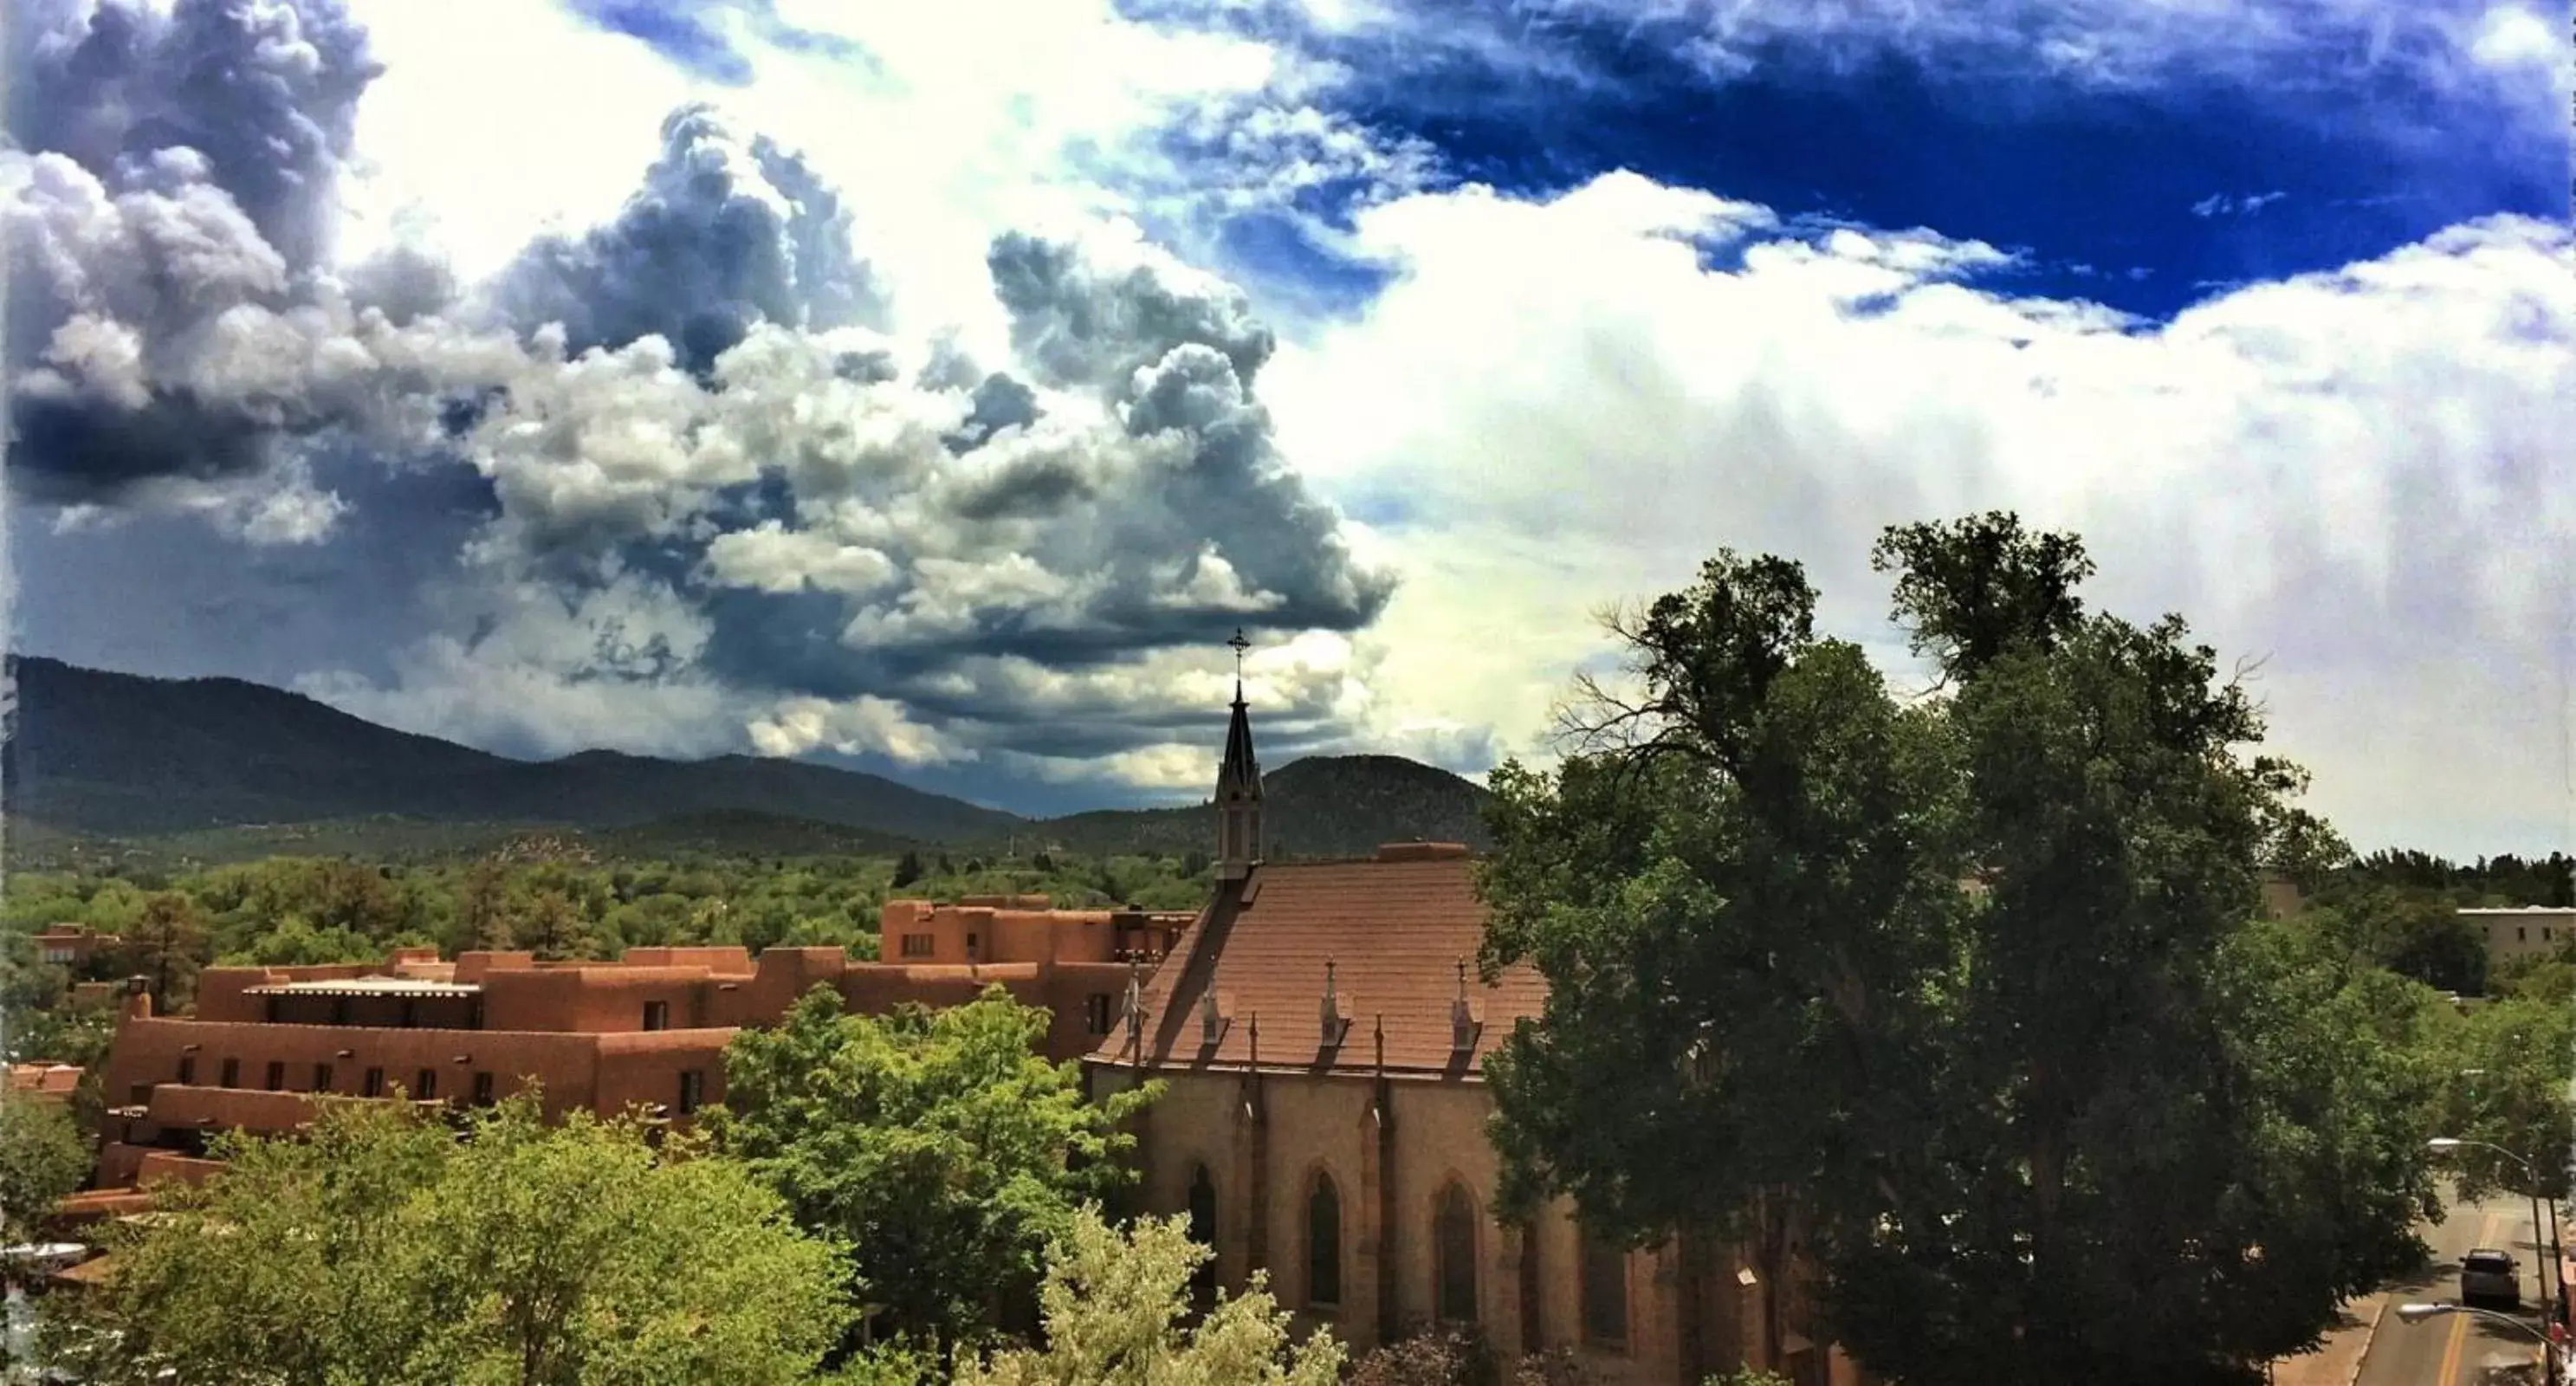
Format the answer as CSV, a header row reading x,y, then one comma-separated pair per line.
x,y
95,754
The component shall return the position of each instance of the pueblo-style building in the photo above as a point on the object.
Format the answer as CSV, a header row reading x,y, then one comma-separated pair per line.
x,y
1321,1033
649,1030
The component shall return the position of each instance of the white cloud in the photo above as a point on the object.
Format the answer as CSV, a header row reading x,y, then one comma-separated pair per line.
x,y
857,726
2361,474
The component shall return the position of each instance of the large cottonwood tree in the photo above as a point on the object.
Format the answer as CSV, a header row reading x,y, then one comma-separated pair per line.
x,y
1943,988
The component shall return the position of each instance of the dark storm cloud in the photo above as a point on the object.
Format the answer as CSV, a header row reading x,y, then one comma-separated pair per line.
x,y
166,208
267,92
1067,545
1081,323
726,232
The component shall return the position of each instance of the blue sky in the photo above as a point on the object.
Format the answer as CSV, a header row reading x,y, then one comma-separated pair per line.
x,y
1025,350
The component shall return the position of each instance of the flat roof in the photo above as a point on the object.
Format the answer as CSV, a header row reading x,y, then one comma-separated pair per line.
x,y
2518,911
368,986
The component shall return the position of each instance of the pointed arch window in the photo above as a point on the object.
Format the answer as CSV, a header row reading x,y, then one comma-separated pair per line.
x,y
1453,1242
1605,1291
1323,1243
1203,1231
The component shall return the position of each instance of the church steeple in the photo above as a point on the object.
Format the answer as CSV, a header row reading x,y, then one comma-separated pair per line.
x,y
1238,786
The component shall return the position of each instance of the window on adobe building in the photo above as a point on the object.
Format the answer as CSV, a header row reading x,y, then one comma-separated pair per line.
x,y
276,1075
232,1073
187,1069
375,1084
1323,1243
693,1086
426,1090
1605,1291
1095,1013
1453,1250
657,1015
917,945
1203,1232
321,1077
482,1089
2521,934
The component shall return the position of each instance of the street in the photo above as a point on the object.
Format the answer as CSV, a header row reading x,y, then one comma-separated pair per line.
x,y
2458,1349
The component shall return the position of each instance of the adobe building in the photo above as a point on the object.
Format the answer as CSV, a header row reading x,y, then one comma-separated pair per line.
x,y
45,1081
1321,1036
647,1031
70,945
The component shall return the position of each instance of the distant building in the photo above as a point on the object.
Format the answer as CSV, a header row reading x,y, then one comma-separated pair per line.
x,y
70,945
647,1031
1322,1038
2530,931
51,1081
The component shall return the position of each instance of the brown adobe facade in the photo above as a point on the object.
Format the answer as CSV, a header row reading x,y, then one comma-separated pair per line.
x,y
1321,1033
648,1031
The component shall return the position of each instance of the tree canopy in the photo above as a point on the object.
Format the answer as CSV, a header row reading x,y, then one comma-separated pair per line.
x,y
938,1146
1115,1305
1954,992
384,1247
43,1156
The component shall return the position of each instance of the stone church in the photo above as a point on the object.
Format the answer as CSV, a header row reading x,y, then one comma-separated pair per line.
x,y
1321,1031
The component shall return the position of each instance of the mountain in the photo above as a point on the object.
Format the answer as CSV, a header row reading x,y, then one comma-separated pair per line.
x,y
98,755
123,756
1322,806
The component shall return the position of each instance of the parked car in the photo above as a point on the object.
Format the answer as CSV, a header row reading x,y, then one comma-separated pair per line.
x,y
2488,1275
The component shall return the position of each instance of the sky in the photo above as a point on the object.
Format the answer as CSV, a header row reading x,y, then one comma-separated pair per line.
x,y
932,390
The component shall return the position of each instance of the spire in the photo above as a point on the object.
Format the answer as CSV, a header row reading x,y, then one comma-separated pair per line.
x,y
1238,785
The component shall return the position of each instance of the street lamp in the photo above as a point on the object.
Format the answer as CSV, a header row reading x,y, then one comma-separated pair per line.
x,y
2443,1145
2417,1313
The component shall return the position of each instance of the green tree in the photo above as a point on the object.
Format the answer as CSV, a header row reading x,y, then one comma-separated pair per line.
x,y
1949,987
483,914
937,1145
168,945
1114,1306
907,869
43,1156
553,929
2505,1084
380,1248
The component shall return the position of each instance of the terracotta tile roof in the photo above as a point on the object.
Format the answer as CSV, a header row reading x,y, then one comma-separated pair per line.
x,y
1394,932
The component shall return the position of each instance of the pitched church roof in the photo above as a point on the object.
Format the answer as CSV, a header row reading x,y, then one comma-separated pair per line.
x,y
1394,930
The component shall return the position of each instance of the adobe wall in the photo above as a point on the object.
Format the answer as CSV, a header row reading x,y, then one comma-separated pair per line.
x,y
147,1051
474,964
644,1069
605,999
782,978
1066,993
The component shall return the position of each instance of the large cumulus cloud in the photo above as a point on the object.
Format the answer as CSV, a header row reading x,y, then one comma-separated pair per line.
x,y
727,231
175,329
722,508
850,518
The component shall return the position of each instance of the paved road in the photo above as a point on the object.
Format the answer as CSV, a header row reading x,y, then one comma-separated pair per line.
x,y
2457,1349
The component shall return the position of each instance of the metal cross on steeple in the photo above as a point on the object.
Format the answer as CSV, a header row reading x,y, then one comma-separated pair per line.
x,y
1238,644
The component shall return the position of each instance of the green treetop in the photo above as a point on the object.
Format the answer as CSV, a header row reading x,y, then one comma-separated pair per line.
x,y
938,1145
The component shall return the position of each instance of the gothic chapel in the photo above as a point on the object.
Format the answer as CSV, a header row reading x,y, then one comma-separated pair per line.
x,y
1321,1034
